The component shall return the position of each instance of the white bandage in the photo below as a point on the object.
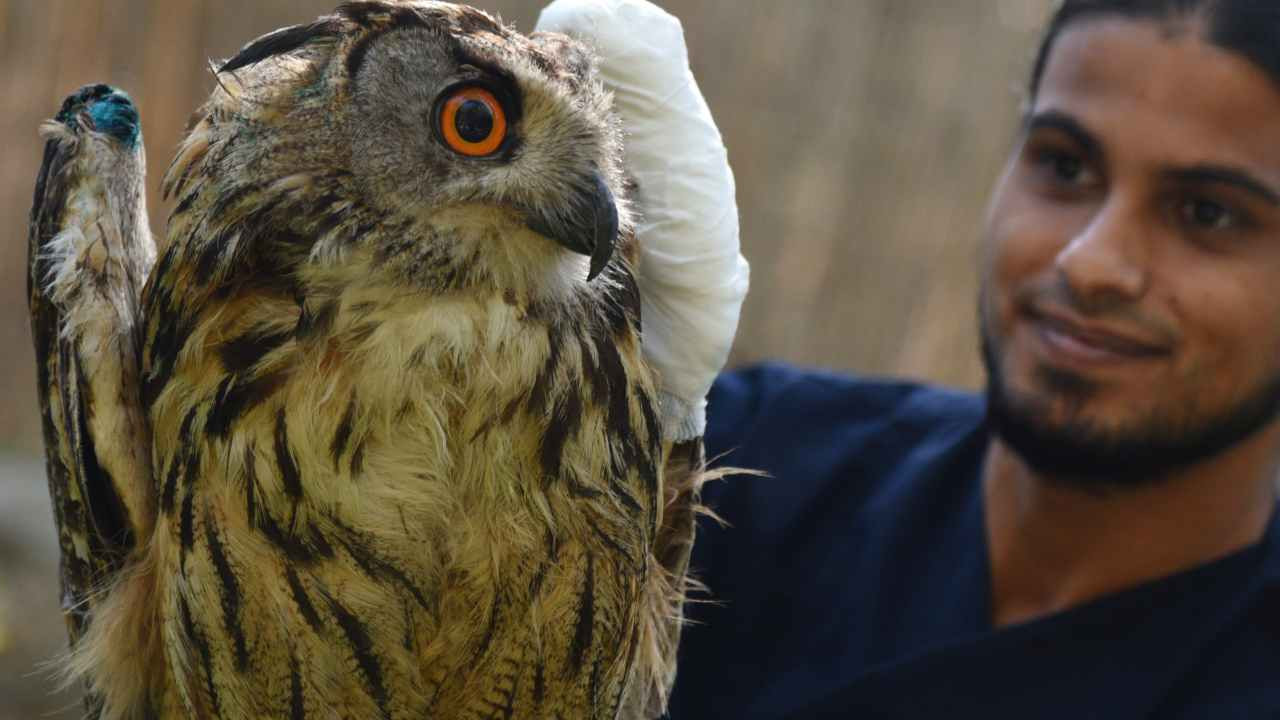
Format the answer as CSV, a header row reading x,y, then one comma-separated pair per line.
x,y
692,276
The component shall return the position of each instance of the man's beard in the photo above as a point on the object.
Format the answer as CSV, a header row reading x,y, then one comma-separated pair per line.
x,y
1079,453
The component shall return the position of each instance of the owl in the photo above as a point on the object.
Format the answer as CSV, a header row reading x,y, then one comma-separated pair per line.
x,y
372,435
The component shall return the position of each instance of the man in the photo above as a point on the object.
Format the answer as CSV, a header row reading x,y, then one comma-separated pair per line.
x,y
1096,537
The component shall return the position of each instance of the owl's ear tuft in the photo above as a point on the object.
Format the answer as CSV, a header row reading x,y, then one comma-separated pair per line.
x,y
284,40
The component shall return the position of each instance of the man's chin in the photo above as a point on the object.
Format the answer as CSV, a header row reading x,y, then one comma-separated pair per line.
x,y
1058,441
1057,438
1070,452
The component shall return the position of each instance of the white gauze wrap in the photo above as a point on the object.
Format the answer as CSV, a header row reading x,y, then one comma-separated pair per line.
x,y
692,276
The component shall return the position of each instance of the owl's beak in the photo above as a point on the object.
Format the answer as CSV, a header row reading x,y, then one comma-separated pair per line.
x,y
591,225
605,232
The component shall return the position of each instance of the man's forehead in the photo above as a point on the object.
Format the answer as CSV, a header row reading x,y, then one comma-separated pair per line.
x,y
1134,84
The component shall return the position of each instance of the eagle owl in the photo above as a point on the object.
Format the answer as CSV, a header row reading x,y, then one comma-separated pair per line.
x,y
373,436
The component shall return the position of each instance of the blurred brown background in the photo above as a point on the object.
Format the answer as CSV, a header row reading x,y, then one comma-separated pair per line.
x,y
865,135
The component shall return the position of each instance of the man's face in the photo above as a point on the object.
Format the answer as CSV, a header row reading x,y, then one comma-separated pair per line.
x,y
1131,290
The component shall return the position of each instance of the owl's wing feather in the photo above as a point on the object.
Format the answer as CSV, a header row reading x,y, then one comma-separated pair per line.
x,y
684,472
89,252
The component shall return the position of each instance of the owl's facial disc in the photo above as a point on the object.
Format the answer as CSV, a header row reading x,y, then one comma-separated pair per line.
x,y
489,120
471,121
590,227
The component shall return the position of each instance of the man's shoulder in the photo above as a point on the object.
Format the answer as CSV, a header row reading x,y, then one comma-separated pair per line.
x,y
829,448
860,476
764,411
837,460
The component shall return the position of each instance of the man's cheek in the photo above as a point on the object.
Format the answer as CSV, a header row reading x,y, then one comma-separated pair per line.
x,y
1028,239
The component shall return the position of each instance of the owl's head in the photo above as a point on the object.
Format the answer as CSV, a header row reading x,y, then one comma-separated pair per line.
x,y
442,142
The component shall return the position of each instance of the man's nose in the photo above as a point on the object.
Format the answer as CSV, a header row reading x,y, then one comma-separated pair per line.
x,y
1106,263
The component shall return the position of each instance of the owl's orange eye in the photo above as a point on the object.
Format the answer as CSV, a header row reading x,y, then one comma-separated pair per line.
x,y
472,122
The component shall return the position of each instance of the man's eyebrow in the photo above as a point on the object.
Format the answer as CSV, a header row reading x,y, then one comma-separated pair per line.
x,y
1067,125
1224,175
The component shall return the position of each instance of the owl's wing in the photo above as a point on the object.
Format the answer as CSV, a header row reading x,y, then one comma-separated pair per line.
x,y
683,474
682,479
89,253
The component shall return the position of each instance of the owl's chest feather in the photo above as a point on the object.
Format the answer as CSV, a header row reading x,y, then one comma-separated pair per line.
x,y
433,491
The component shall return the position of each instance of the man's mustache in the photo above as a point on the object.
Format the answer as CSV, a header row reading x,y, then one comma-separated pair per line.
x,y
1116,315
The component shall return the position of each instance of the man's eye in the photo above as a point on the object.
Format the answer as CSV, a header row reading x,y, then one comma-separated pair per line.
x,y
1063,168
1206,215
1067,168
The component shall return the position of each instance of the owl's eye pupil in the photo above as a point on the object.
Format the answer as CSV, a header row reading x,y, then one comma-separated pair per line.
x,y
474,121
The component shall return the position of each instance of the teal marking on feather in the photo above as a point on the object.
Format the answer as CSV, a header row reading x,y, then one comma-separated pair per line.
x,y
111,110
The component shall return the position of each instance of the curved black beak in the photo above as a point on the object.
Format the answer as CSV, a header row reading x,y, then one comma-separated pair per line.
x,y
589,227
605,230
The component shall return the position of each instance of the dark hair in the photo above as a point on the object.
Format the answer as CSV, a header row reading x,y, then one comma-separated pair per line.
x,y
1250,28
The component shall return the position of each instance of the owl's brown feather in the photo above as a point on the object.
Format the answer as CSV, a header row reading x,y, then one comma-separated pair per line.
x,y
405,459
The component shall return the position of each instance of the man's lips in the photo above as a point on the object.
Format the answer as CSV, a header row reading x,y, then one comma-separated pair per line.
x,y
1080,340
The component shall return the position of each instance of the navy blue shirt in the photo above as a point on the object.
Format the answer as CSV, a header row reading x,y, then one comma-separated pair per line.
x,y
853,581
